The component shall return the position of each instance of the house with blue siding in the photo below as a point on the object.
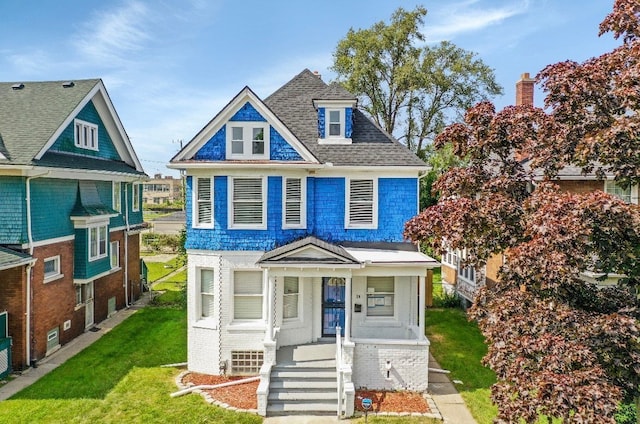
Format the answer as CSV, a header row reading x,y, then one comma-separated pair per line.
x,y
297,268
70,214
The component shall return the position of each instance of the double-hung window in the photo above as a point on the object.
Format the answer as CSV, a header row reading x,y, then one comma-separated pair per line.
x,y
247,295
293,202
203,202
114,252
51,268
98,242
614,189
117,196
361,203
85,135
248,205
290,297
206,293
135,193
247,140
335,123
380,296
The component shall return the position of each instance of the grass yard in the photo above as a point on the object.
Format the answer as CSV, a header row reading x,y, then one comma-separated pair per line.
x,y
175,283
157,270
458,346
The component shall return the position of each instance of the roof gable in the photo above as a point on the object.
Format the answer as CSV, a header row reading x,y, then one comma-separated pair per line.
x,y
246,106
33,115
308,250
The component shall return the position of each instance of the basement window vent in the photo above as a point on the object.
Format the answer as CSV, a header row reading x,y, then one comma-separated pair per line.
x,y
19,86
246,362
66,325
68,84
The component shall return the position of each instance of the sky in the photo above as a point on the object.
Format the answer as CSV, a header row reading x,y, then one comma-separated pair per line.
x,y
170,66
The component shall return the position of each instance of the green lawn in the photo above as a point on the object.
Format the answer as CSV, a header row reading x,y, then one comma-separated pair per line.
x,y
458,346
118,379
175,283
157,270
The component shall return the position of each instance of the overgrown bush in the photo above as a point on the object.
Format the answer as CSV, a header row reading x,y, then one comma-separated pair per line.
x,y
626,414
447,300
161,242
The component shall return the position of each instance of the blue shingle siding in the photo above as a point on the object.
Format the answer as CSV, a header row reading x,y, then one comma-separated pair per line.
x,y
51,203
248,113
325,215
134,217
215,148
13,215
321,122
66,140
348,125
82,268
280,149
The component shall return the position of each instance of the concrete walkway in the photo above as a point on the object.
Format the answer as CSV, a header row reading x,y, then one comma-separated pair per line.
x,y
51,362
446,397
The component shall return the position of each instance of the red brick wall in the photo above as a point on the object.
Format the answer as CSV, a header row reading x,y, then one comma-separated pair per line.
x,y
577,186
13,286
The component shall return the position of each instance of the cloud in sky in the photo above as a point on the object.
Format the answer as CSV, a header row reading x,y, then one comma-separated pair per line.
x,y
465,17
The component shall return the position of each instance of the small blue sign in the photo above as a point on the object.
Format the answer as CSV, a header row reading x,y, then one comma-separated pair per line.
x,y
366,403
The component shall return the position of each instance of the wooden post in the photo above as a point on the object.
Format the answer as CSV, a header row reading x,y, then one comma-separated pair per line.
x,y
429,289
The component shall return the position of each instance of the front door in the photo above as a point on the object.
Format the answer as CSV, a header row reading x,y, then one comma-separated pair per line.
x,y
333,291
88,304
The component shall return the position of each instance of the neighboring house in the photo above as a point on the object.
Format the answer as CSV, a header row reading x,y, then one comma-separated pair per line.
x,y
466,281
170,224
69,213
295,210
161,190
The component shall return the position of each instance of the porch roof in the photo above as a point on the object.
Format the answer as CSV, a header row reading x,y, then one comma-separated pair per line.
x,y
314,251
11,259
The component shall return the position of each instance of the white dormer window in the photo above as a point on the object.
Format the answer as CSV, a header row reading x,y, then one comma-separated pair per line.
x,y
247,140
86,135
335,123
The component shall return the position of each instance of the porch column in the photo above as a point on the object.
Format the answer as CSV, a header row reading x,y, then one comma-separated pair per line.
x,y
421,306
347,310
270,305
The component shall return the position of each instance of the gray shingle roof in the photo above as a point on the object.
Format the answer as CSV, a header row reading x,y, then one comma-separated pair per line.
x,y
279,254
29,116
10,258
293,104
71,161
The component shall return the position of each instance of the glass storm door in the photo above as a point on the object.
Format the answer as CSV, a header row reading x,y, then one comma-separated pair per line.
x,y
333,291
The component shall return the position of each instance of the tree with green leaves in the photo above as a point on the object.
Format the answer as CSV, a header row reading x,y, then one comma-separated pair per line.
x,y
412,90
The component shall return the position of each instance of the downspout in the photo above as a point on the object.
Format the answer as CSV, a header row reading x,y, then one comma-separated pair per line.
x,y
30,266
126,245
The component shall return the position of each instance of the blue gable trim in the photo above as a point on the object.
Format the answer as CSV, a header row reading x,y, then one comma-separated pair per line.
x,y
321,124
248,113
348,126
66,140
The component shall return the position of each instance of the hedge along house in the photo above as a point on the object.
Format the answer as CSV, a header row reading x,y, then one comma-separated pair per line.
x,y
69,213
295,212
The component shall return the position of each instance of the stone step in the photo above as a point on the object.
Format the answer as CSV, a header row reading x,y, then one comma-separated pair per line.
x,y
324,384
303,373
318,363
279,408
303,395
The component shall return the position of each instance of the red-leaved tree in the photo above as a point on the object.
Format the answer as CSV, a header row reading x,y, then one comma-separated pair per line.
x,y
560,347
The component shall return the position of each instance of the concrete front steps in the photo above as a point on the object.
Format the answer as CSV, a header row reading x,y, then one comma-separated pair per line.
x,y
304,382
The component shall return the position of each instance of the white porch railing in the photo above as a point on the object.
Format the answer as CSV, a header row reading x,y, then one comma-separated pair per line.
x,y
339,370
346,389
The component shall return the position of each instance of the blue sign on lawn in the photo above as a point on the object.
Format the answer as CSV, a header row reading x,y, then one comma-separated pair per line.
x,y
366,403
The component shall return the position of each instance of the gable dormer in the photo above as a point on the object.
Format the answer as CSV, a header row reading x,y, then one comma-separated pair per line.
x,y
335,107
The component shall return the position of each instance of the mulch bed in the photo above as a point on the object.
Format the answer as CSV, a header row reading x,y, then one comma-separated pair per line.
x,y
243,396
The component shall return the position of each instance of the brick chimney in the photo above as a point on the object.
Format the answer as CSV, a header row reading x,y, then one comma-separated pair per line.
x,y
524,90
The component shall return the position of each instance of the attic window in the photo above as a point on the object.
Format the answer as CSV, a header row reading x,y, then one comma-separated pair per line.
x,y
247,140
19,86
86,135
335,120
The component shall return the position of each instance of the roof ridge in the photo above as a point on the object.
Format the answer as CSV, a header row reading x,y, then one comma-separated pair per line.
x,y
292,80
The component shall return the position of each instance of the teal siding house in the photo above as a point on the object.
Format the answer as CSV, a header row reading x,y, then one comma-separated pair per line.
x,y
295,208
70,214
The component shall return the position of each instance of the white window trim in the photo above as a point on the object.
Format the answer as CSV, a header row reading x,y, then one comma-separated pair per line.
x,y
253,321
78,138
609,185
247,133
135,197
230,205
116,198
117,254
99,255
298,318
347,206
377,319
195,202
199,316
303,203
327,122
460,269
54,276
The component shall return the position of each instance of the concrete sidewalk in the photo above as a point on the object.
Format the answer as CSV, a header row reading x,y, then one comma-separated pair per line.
x,y
446,397
51,362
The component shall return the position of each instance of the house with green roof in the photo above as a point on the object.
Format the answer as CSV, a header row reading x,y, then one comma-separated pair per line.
x,y
70,214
